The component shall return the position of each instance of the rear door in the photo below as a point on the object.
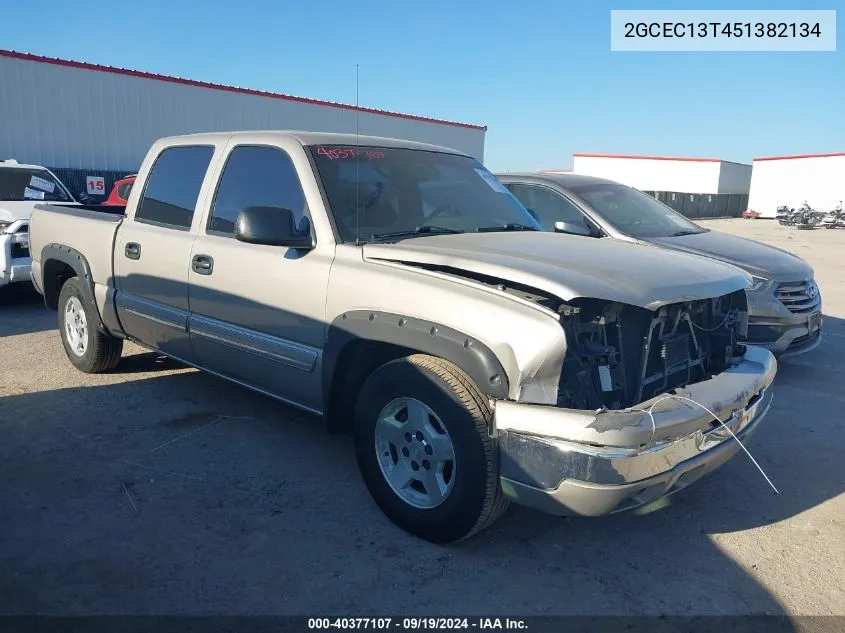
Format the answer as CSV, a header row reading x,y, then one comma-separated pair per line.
x,y
258,312
153,248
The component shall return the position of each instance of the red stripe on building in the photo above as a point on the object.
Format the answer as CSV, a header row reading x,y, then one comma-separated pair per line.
x,y
799,156
697,160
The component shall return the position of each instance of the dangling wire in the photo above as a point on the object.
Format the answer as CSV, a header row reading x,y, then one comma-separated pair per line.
x,y
670,396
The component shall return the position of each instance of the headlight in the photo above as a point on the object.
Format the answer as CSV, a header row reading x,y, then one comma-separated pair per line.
x,y
759,283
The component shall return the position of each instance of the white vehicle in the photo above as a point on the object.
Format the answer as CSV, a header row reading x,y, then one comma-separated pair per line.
x,y
21,188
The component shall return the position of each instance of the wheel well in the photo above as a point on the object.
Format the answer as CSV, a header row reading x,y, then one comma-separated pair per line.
x,y
357,360
55,274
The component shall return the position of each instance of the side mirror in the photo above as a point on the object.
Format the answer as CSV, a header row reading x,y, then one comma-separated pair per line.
x,y
271,226
572,227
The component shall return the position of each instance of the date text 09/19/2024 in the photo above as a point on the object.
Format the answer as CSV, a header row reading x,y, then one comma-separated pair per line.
x,y
417,623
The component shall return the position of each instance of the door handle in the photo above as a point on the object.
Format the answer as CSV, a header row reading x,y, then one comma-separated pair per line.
x,y
132,250
202,264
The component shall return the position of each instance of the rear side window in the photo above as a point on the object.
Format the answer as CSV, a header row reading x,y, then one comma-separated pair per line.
x,y
123,190
255,176
547,205
173,186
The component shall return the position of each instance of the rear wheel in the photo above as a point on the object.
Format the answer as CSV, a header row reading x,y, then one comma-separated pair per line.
x,y
88,349
424,449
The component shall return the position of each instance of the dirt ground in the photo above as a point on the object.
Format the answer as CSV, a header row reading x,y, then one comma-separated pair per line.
x,y
157,489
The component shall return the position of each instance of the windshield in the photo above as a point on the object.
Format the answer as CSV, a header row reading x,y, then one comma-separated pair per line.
x,y
406,192
634,212
18,183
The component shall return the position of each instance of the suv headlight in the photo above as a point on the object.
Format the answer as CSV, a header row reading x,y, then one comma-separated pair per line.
x,y
759,283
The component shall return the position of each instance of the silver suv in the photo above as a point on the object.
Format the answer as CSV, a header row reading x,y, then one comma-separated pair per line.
x,y
784,302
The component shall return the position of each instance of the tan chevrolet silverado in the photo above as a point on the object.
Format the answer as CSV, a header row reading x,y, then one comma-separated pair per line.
x,y
384,286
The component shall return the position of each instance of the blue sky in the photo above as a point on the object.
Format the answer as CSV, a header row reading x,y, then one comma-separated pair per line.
x,y
539,74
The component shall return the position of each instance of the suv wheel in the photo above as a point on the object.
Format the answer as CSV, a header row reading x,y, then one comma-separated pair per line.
x,y
424,449
88,349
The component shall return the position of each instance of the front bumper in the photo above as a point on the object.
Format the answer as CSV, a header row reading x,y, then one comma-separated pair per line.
x,y
14,268
563,461
772,325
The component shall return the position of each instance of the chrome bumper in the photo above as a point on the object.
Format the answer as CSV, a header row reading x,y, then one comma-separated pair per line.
x,y
15,269
565,461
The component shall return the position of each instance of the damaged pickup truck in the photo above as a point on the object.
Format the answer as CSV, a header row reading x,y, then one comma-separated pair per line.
x,y
384,286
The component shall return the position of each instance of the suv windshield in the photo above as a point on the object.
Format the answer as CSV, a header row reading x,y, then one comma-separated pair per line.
x,y
20,183
406,192
635,213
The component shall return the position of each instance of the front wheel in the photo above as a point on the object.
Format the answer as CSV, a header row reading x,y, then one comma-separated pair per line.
x,y
88,349
423,445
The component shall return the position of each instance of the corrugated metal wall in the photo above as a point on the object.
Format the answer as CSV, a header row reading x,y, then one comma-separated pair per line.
x,y
69,117
701,206
74,180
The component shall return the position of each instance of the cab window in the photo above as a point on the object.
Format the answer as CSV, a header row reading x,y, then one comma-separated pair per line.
x,y
173,186
255,176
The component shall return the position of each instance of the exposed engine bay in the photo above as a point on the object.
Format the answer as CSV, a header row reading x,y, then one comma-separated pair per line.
x,y
619,355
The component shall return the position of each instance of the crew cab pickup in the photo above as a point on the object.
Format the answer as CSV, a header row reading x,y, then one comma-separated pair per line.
x,y
399,291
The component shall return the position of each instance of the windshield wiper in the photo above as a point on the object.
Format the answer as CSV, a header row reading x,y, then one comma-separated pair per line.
x,y
420,230
684,232
510,226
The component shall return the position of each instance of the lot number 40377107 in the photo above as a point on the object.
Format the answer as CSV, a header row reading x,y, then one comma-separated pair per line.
x,y
96,185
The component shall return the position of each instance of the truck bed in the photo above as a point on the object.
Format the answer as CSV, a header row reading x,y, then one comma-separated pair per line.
x,y
112,210
87,229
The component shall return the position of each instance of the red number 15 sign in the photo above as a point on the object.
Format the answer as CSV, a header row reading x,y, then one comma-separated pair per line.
x,y
96,185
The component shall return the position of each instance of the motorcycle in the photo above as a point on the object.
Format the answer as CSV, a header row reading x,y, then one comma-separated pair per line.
x,y
784,215
806,217
835,218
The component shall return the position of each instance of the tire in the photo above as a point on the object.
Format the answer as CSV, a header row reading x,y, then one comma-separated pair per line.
x,y
91,351
474,498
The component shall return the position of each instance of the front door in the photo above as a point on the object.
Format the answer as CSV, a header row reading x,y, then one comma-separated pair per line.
x,y
547,205
257,312
152,250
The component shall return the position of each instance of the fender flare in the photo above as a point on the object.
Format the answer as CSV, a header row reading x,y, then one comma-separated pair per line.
x,y
417,335
77,262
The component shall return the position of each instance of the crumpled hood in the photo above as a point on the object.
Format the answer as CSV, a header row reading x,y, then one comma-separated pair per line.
x,y
569,266
756,258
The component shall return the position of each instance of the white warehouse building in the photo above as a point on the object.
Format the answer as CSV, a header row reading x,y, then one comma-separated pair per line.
x,y
79,117
817,179
662,173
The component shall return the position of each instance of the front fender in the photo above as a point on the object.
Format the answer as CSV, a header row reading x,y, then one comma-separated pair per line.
x,y
418,335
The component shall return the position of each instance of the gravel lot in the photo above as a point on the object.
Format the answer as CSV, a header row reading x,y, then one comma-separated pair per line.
x,y
157,489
